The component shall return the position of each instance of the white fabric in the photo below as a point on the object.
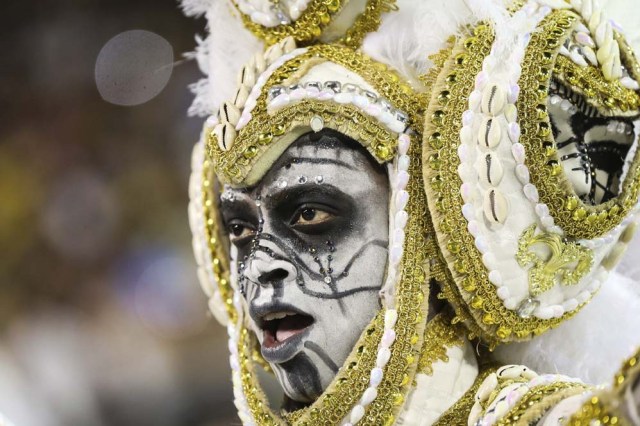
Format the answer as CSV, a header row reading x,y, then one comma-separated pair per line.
x,y
435,394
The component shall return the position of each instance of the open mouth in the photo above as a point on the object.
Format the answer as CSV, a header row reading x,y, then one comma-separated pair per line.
x,y
280,327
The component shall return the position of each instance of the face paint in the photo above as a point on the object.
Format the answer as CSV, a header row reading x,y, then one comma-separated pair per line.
x,y
312,242
593,148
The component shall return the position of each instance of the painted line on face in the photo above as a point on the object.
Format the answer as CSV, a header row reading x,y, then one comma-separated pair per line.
x,y
322,355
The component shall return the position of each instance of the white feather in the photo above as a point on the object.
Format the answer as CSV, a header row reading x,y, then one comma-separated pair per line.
x,y
220,55
592,345
420,28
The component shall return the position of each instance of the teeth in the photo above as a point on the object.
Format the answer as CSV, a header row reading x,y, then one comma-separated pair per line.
x,y
277,315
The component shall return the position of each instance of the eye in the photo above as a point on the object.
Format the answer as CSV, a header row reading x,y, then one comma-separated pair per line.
x,y
240,232
309,216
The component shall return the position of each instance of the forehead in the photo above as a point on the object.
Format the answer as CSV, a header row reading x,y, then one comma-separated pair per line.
x,y
322,159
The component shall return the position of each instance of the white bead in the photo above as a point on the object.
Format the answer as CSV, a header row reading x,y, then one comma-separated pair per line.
x,y
316,123
280,101
467,118
481,80
489,260
388,338
402,199
466,136
474,100
384,354
298,94
397,126
368,396
474,228
402,179
517,149
361,101
356,414
547,221
514,132
481,244
583,297
376,377
496,278
514,92
578,59
373,110
531,192
544,313
401,219
542,210
591,55
493,99
570,305
558,311
343,98
398,236
403,162
468,211
403,144
511,113
466,192
390,318
326,95
522,172
511,303
503,293
386,117
465,153
395,254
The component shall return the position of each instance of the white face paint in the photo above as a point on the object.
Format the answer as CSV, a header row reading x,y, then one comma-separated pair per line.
x,y
312,242
593,148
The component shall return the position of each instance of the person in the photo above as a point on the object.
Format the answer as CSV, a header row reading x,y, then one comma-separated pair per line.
x,y
374,213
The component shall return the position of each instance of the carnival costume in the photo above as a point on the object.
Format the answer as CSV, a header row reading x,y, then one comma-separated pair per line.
x,y
505,202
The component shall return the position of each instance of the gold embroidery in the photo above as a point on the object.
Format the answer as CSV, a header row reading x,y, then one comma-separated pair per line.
x,y
439,336
565,263
317,16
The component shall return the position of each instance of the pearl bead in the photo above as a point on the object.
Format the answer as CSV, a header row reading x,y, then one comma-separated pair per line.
x,y
376,377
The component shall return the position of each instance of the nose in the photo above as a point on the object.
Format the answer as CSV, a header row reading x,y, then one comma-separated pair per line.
x,y
266,270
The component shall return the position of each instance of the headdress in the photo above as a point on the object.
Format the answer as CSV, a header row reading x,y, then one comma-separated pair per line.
x,y
488,201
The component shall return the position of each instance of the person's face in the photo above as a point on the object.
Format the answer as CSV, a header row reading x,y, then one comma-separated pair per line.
x,y
311,242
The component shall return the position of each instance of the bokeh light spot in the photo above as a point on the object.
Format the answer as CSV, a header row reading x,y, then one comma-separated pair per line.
x,y
133,67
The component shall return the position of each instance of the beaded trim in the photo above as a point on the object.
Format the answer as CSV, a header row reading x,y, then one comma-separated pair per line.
x,y
313,21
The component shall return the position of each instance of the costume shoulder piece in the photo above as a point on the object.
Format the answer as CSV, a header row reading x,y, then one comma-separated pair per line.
x,y
530,166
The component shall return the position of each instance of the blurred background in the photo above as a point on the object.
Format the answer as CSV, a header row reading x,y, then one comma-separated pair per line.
x,y
102,321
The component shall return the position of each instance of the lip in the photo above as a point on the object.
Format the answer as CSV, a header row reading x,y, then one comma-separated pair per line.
x,y
272,350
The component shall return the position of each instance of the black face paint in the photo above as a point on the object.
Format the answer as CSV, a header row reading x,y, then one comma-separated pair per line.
x,y
311,241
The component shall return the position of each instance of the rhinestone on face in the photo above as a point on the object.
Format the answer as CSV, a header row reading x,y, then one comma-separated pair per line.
x,y
319,179
282,184
334,86
327,279
527,307
302,179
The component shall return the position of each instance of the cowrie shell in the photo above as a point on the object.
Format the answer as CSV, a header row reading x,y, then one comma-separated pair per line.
x,y
490,169
493,99
241,97
226,134
259,63
495,206
273,53
247,76
288,44
490,133
229,113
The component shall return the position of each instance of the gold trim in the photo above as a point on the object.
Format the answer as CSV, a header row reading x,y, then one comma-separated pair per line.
x,y
317,17
439,336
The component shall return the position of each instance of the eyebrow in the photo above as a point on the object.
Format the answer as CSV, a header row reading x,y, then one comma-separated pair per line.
x,y
281,195
313,160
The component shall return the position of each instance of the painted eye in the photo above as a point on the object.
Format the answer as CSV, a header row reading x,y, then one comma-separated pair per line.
x,y
312,216
238,231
